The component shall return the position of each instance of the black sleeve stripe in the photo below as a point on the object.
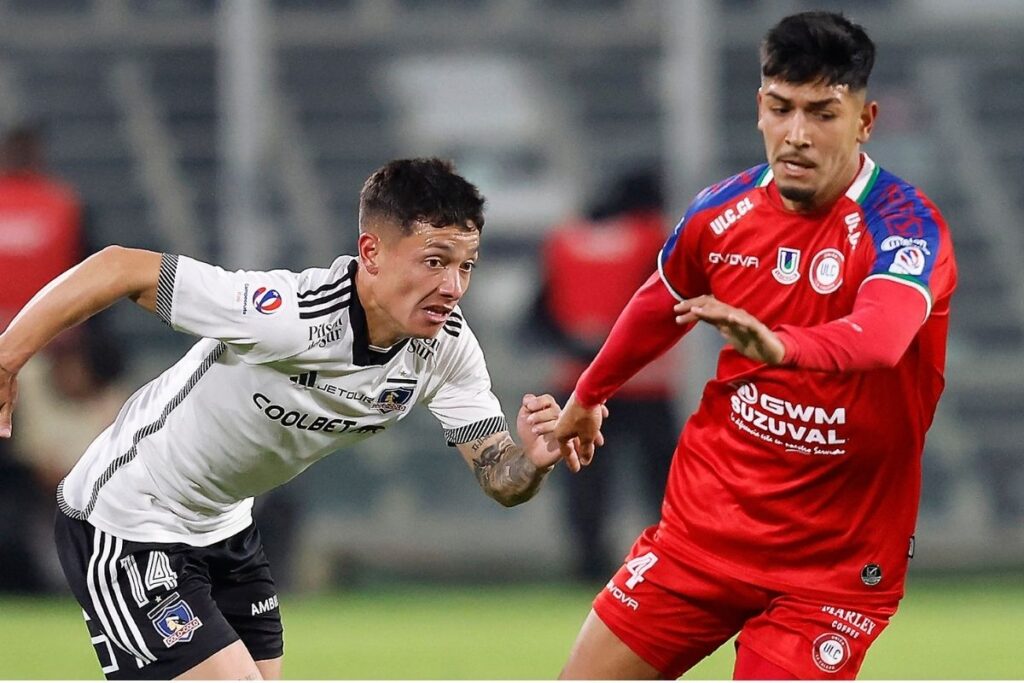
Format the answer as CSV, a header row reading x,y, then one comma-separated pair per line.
x,y
306,315
165,286
492,425
139,435
324,299
323,288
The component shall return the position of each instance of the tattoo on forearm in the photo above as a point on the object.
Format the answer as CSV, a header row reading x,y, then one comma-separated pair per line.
x,y
506,474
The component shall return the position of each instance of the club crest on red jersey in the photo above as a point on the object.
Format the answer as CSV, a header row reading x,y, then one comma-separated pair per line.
x,y
827,271
787,266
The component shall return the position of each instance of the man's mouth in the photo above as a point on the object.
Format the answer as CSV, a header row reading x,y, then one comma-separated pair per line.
x,y
438,314
796,163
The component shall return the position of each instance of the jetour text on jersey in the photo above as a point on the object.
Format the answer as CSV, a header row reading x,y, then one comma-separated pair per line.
x,y
319,423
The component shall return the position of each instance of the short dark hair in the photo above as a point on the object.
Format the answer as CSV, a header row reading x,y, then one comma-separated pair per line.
x,y
22,147
408,191
818,46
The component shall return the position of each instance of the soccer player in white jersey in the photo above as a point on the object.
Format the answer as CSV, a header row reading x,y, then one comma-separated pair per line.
x,y
155,532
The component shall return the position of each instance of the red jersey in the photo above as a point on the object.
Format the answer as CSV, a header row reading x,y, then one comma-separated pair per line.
x,y
797,479
40,224
591,270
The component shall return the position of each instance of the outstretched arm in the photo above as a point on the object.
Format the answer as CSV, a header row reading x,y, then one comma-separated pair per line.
x,y
512,474
645,329
886,317
105,277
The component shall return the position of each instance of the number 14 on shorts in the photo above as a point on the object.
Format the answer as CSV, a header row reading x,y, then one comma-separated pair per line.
x,y
637,567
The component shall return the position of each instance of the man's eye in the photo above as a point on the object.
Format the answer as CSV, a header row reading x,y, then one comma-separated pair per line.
x,y
826,115
779,110
469,266
434,262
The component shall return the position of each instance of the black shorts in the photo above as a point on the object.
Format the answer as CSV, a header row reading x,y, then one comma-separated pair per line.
x,y
155,610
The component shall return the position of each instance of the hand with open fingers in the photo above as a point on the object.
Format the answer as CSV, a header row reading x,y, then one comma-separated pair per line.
x,y
535,423
8,395
579,433
743,331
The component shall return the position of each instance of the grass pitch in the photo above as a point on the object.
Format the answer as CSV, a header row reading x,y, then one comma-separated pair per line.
x,y
946,629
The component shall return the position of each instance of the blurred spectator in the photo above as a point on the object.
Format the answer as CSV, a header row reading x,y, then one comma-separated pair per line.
x,y
592,266
19,570
40,221
67,396
40,236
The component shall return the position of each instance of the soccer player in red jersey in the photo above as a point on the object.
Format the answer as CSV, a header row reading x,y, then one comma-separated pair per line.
x,y
792,500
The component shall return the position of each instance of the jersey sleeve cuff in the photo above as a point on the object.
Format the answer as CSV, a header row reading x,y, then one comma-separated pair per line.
x,y
165,287
908,281
477,430
664,278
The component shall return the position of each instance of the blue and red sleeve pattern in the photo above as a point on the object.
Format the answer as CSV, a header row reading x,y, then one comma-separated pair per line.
x,y
909,237
679,263
912,268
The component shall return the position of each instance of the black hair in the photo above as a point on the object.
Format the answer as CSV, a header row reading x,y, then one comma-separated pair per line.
x,y
637,190
22,146
818,46
407,191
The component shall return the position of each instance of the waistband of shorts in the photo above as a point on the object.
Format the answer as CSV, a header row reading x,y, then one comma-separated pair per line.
x,y
681,549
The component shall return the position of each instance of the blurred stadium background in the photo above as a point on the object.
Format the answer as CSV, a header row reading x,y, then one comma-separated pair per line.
x,y
240,132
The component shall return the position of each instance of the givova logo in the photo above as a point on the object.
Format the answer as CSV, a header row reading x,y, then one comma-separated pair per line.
x,y
266,301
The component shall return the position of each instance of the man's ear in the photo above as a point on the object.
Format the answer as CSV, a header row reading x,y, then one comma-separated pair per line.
x,y
760,110
868,115
369,252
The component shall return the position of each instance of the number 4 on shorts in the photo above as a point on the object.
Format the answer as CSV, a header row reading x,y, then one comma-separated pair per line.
x,y
637,567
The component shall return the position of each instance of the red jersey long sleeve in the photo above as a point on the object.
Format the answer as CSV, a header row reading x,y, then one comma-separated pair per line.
x,y
886,315
885,318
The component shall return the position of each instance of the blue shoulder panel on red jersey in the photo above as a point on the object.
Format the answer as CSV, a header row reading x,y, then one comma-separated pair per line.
x,y
904,229
714,196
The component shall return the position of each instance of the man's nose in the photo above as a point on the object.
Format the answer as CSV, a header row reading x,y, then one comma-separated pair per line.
x,y
796,134
451,284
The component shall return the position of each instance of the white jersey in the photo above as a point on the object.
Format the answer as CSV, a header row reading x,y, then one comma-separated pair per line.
x,y
284,376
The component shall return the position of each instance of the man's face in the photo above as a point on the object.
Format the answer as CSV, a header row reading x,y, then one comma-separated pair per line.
x,y
420,278
812,136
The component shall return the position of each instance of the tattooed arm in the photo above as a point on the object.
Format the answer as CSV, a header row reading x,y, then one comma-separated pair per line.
x,y
503,470
509,473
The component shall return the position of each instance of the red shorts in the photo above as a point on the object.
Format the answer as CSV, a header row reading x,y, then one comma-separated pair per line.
x,y
673,614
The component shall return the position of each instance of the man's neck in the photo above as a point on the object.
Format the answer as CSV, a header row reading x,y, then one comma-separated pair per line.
x,y
832,193
380,329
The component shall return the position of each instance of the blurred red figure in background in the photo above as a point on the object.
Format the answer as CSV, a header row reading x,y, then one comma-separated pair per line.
x,y
592,267
40,222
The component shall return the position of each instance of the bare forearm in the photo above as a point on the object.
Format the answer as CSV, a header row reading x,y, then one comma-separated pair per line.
x,y
88,288
505,472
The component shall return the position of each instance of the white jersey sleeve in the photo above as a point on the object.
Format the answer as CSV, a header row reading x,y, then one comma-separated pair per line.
x,y
463,402
257,313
